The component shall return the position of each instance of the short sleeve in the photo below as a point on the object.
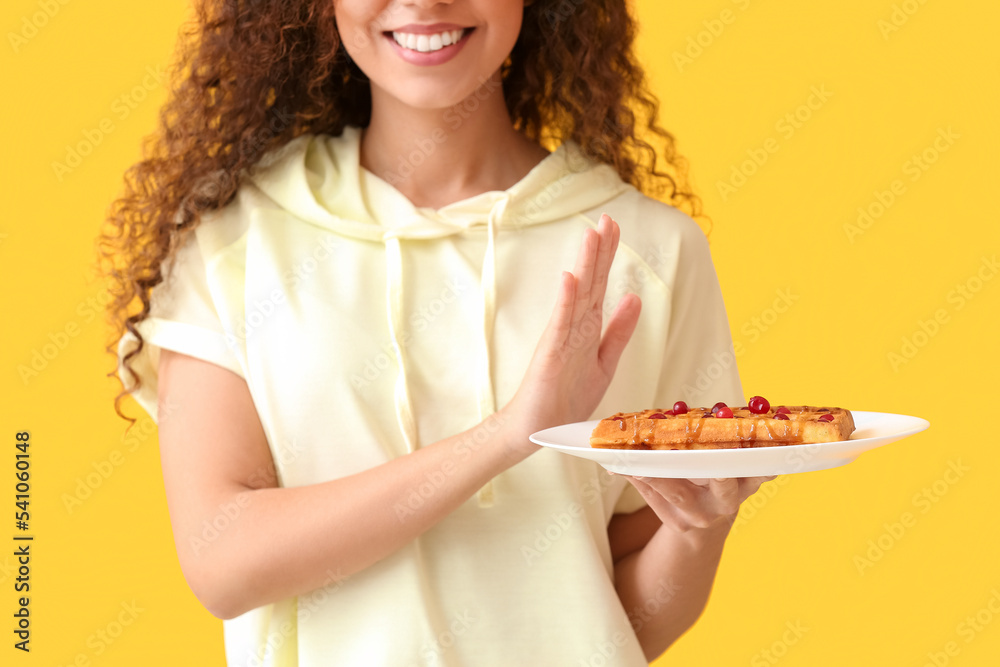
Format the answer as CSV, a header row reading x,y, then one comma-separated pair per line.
x,y
699,364
183,317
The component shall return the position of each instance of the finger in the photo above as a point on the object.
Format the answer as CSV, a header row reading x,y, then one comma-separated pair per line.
x,y
561,319
645,490
621,326
694,505
608,231
658,494
667,513
584,271
750,485
677,492
726,495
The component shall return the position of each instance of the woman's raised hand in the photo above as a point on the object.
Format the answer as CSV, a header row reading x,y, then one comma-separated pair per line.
x,y
573,363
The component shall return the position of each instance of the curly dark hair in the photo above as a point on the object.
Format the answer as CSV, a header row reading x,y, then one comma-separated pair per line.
x,y
249,76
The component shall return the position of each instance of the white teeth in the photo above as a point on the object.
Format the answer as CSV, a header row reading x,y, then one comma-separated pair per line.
x,y
427,43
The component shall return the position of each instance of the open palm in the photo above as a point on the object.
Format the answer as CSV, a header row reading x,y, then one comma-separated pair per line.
x,y
573,363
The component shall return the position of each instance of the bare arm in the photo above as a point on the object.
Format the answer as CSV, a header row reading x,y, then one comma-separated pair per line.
x,y
276,542
243,542
667,554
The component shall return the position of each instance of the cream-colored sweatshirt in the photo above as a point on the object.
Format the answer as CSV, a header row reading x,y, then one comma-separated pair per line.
x,y
344,306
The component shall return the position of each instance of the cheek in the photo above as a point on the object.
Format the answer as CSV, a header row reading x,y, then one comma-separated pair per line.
x,y
506,31
354,21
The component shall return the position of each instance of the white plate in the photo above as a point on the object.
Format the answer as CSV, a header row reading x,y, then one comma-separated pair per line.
x,y
872,429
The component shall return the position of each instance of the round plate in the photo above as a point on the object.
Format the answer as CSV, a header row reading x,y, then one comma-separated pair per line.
x,y
872,429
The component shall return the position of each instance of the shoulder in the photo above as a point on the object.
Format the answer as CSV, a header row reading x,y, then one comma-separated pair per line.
x,y
665,238
643,218
223,229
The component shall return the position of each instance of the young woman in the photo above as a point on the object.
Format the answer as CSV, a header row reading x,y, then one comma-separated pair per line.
x,y
354,278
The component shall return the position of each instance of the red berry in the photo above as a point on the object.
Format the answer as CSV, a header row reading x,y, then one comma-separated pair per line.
x,y
724,413
758,405
715,408
826,418
657,415
782,411
680,407
780,415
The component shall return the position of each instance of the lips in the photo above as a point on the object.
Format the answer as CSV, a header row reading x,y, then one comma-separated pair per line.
x,y
428,44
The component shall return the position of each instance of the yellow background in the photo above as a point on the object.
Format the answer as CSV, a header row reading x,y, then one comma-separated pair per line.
x,y
792,560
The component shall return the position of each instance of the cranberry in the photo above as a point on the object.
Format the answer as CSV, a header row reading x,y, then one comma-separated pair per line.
x,y
657,415
782,411
780,415
826,418
715,408
758,405
822,410
680,407
724,413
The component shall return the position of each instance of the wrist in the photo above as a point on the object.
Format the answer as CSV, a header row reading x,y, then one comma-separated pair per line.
x,y
710,536
696,538
512,437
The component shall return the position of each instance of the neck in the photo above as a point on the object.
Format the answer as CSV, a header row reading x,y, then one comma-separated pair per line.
x,y
435,157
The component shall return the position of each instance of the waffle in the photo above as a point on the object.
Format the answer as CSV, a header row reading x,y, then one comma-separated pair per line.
x,y
698,429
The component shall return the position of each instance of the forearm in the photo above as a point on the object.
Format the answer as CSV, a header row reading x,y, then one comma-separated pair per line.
x,y
664,586
286,541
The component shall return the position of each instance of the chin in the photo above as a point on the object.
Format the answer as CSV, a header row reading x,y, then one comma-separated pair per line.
x,y
438,97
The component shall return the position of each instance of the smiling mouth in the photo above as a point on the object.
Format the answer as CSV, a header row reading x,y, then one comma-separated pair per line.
x,y
428,42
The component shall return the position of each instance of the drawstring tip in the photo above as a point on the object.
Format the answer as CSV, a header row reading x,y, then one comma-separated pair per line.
x,y
485,495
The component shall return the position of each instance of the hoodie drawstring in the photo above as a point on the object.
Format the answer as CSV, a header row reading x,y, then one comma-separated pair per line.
x,y
394,308
487,397
394,314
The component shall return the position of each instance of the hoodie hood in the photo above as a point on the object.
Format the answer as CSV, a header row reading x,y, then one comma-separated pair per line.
x,y
319,179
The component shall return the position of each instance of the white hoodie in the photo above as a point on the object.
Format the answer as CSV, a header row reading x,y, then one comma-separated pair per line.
x,y
366,327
